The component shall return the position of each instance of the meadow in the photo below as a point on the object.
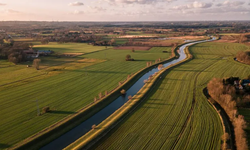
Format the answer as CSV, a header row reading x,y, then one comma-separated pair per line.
x,y
177,115
69,47
64,84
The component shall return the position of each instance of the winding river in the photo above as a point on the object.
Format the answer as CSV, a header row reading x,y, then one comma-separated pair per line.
x,y
75,133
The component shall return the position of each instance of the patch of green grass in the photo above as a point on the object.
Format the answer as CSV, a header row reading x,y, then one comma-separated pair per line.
x,y
246,113
134,33
65,92
162,121
23,40
120,41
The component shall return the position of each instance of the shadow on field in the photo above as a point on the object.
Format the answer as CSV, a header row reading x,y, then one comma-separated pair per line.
x,y
61,112
3,146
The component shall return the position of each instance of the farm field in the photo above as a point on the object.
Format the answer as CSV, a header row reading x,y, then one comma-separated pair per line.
x,y
66,85
168,119
69,47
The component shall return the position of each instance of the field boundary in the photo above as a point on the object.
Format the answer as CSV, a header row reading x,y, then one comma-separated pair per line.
x,y
93,136
55,130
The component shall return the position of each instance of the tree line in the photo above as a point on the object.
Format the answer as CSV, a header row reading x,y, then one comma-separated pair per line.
x,y
227,97
243,57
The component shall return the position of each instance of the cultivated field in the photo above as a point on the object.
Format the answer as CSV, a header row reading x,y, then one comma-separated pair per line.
x,y
64,84
70,47
177,115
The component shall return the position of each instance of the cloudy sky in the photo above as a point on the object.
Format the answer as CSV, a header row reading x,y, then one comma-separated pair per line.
x,y
124,10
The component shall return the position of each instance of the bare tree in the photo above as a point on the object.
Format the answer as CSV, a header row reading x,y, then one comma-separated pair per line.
x,y
160,66
36,63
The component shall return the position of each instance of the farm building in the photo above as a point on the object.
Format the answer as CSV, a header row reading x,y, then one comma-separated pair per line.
x,y
244,82
30,54
35,54
45,52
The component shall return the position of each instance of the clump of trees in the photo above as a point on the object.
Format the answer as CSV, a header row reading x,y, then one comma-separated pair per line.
x,y
243,57
13,51
226,96
45,109
128,58
45,41
160,66
16,57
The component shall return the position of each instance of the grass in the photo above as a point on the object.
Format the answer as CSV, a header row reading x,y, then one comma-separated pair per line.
x,y
120,41
246,113
135,33
23,40
65,92
162,122
69,47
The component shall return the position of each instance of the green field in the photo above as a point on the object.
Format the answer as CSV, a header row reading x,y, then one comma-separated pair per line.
x,y
23,39
168,119
66,90
135,33
69,47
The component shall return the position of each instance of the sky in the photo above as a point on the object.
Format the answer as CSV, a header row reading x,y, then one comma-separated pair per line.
x,y
124,10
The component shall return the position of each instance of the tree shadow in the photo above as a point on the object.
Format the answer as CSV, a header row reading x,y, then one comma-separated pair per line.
x,y
61,112
4,146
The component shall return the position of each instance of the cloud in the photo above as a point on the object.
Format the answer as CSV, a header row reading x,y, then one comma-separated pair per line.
x,y
76,4
228,3
2,4
78,12
136,1
98,9
11,11
195,4
221,10
201,5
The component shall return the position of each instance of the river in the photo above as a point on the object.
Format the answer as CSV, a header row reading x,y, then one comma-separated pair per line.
x,y
75,133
